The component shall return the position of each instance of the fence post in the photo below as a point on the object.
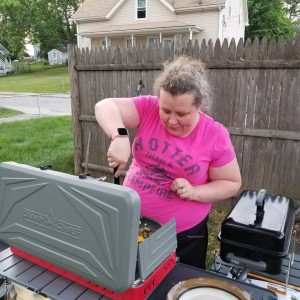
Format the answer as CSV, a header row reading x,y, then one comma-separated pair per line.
x,y
38,104
75,108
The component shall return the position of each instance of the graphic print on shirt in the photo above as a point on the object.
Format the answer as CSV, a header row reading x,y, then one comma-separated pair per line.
x,y
163,162
155,174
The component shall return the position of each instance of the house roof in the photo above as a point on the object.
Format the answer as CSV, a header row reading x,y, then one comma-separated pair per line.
x,y
167,26
62,50
97,10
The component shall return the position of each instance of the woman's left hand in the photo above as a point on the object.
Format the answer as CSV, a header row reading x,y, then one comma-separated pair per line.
x,y
183,188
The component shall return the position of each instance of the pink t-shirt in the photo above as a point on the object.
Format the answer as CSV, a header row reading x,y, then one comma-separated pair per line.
x,y
159,158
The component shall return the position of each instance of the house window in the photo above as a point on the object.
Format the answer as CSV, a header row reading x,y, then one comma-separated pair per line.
x,y
167,41
105,44
141,9
129,43
152,41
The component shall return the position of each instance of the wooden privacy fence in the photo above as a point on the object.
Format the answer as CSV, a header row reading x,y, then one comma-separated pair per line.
x,y
256,96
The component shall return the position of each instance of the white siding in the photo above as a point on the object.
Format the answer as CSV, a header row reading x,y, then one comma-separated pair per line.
x,y
207,20
225,23
233,21
155,12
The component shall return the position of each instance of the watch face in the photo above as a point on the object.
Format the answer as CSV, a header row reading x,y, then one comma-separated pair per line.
x,y
122,131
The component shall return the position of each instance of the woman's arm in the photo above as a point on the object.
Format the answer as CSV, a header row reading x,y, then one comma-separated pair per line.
x,y
113,113
224,182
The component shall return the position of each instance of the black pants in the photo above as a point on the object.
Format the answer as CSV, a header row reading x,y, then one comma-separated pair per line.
x,y
192,245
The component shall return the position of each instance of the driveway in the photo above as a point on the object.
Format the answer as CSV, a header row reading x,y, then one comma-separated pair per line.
x,y
35,105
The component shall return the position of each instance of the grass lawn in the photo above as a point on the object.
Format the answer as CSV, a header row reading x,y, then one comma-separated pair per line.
x,y
37,78
39,141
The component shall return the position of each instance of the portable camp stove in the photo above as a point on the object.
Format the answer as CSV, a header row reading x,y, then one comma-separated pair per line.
x,y
84,230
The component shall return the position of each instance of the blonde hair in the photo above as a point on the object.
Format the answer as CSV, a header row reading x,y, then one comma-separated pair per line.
x,y
185,75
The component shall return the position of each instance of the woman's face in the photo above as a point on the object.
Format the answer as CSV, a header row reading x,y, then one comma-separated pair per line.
x,y
177,113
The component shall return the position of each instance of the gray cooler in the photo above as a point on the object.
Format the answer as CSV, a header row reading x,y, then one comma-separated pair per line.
x,y
87,227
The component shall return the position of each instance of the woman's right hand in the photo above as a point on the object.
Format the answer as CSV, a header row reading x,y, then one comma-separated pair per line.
x,y
118,154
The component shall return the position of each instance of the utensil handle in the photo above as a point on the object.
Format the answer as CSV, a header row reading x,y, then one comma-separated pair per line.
x,y
116,179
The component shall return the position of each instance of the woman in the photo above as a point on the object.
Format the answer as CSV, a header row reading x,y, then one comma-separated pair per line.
x,y
183,160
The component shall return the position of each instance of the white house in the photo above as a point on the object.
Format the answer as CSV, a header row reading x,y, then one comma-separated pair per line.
x,y
129,22
57,56
5,64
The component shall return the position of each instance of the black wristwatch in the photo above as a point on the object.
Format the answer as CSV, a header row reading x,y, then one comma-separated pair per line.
x,y
121,132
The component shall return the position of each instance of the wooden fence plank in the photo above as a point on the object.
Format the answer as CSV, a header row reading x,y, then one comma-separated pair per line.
x,y
233,98
247,50
293,106
282,116
240,51
252,81
224,51
260,119
196,50
204,51
232,51
272,50
217,51
255,49
241,104
274,100
210,50
280,49
263,51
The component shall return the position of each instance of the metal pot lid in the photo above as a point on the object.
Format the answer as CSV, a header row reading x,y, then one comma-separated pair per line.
x,y
207,288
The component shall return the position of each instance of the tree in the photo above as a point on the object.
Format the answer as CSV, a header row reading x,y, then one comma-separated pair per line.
x,y
292,9
44,22
268,19
52,26
15,25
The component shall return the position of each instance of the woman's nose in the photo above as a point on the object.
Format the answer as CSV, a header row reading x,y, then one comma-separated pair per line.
x,y
172,120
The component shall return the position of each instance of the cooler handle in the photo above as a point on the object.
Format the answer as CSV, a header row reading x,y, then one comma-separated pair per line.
x,y
260,203
244,262
260,199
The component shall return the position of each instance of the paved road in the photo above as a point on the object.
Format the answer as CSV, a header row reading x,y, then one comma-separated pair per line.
x,y
35,105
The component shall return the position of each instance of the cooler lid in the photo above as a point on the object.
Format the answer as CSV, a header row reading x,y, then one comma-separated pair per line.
x,y
260,220
87,227
274,212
